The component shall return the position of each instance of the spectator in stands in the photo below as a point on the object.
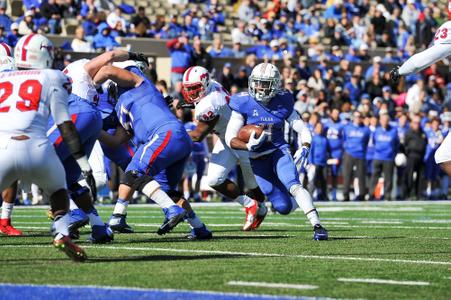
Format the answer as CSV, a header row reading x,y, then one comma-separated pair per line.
x,y
141,18
206,28
226,78
318,158
240,35
13,36
200,56
304,70
5,20
434,138
116,16
275,52
79,43
353,90
218,49
237,50
315,81
242,80
410,15
246,11
415,149
103,39
26,26
386,144
181,55
188,27
334,11
355,142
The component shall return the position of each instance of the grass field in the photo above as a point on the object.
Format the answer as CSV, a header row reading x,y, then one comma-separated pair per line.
x,y
407,245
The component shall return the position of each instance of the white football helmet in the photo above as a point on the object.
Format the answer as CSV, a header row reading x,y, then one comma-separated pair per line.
x,y
34,51
264,82
6,50
196,83
128,63
7,63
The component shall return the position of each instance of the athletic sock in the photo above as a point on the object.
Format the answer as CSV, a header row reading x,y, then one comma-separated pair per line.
x,y
305,202
186,195
121,207
60,226
162,199
245,200
7,210
193,220
72,205
94,218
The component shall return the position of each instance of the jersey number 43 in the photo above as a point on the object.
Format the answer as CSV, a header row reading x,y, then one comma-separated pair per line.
x,y
29,93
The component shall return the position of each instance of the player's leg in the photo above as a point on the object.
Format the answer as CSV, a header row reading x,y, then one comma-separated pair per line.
x,y
443,155
150,158
425,58
388,169
222,161
254,191
361,175
288,175
45,169
169,179
199,160
377,168
8,196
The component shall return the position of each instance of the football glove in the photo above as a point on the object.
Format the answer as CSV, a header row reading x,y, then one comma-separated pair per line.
x,y
394,74
86,171
169,100
300,158
254,143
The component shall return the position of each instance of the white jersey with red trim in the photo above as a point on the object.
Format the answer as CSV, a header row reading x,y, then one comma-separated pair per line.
x,y
82,84
214,104
443,34
27,98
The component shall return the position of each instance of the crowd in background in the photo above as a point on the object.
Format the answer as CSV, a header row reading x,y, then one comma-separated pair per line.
x,y
323,51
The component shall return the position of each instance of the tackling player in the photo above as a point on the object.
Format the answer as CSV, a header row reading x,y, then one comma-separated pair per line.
x,y
29,97
269,106
440,50
163,148
213,113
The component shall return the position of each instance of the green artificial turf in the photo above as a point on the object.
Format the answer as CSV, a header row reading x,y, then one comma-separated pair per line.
x,y
408,237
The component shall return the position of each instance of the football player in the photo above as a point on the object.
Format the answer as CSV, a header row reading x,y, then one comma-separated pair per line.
x,y
213,113
276,171
9,194
440,50
163,148
29,96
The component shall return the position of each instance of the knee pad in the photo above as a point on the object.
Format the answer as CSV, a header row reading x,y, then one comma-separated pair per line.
x,y
136,180
213,181
282,206
295,188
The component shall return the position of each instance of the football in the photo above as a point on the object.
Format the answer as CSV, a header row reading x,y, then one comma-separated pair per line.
x,y
245,132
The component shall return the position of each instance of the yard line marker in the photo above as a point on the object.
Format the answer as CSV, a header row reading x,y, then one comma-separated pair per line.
x,y
381,222
383,281
252,254
274,285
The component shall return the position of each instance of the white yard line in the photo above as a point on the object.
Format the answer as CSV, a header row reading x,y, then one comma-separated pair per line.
x,y
274,285
383,281
251,254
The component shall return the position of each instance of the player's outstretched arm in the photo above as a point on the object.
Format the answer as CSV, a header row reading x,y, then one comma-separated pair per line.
x,y
121,77
422,60
107,58
203,129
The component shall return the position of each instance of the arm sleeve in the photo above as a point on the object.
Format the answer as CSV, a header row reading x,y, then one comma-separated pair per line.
x,y
58,94
304,134
424,59
233,127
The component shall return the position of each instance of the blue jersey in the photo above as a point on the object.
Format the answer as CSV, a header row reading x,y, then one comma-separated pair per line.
x,y
318,154
434,138
143,110
355,140
271,116
334,134
386,143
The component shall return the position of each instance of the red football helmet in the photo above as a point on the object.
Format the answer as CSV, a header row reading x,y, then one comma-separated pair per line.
x,y
195,84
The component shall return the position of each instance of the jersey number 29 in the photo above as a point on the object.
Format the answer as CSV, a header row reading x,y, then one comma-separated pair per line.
x,y
29,93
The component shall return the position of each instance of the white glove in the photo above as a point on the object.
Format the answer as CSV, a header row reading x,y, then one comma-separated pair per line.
x,y
87,174
254,142
300,158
